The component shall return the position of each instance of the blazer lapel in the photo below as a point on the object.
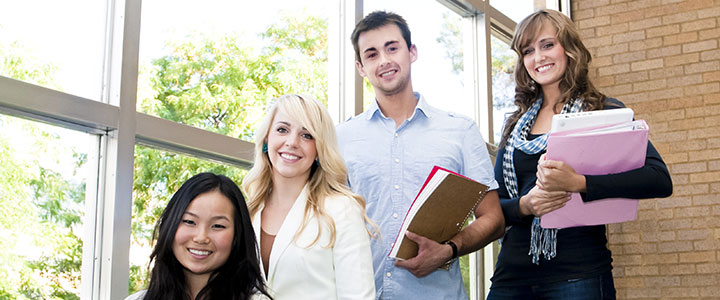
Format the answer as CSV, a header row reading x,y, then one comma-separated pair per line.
x,y
287,231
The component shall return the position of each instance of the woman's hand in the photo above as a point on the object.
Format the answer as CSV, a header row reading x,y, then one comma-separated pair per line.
x,y
538,202
554,175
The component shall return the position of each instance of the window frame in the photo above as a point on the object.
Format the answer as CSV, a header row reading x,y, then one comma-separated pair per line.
x,y
119,127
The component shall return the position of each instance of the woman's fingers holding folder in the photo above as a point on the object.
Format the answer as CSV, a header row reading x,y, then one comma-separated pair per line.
x,y
538,201
554,175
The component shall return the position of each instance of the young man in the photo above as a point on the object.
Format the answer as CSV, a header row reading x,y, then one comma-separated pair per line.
x,y
391,148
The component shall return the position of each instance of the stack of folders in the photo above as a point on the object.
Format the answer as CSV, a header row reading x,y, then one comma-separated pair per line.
x,y
439,210
597,150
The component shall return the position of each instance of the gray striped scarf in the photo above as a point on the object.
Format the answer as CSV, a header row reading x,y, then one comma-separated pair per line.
x,y
541,240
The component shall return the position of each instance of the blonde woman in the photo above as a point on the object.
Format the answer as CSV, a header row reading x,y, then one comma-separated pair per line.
x,y
314,243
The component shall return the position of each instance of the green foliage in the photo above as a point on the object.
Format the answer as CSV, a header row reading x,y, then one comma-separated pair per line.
x,y
465,271
40,209
40,205
58,200
15,63
223,85
298,47
138,278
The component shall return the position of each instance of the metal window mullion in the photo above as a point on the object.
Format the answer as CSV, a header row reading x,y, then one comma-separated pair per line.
x,y
345,95
478,71
470,58
121,89
483,75
29,101
93,207
160,133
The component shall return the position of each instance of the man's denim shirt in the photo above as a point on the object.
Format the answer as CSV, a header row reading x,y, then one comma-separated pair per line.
x,y
388,165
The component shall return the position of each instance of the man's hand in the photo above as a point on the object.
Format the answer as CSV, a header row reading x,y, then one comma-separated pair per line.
x,y
431,255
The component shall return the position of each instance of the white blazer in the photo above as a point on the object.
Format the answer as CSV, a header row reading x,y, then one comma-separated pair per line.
x,y
342,272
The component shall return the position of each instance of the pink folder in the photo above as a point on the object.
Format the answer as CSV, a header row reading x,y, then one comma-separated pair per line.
x,y
596,154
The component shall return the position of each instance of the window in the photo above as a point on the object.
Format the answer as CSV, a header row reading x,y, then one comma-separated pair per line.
x,y
43,175
64,39
503,84
516,10
215,66
202,79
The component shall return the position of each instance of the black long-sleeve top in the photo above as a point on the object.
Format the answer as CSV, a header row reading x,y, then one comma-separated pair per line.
x,y
581,251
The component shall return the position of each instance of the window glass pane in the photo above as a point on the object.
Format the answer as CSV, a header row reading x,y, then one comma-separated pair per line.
x,y
437,33
158,175
62,41
216,65
43,171
503,84
515,10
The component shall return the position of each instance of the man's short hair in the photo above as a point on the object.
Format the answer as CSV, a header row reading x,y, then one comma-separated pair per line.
x,y
376,20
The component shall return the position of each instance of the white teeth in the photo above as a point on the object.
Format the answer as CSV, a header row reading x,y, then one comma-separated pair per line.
x,y
199,252
387,73
543,68
288,156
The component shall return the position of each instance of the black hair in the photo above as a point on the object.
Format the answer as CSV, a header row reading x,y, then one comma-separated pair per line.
x,y
238,278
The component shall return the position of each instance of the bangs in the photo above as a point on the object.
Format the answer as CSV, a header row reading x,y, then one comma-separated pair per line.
x,y
300,111
528,30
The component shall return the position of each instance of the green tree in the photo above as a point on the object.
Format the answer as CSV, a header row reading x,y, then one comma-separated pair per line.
x,y
42,211
222,85
41,203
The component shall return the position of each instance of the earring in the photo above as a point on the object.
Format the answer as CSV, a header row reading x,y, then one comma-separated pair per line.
x,y
264,148
316,163
532,84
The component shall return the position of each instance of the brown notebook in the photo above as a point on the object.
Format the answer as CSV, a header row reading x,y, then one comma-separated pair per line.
x,y
439,211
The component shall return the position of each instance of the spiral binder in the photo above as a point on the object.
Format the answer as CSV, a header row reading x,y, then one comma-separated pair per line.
x,y
439,211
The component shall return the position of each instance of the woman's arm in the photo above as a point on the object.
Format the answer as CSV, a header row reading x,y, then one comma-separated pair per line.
x,y
649,181
510,206
652,180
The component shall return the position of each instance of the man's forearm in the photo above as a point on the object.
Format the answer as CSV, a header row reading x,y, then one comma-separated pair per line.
x,y
488,226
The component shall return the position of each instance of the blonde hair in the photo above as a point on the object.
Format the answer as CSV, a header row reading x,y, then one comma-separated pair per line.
x,y
575,81
328,179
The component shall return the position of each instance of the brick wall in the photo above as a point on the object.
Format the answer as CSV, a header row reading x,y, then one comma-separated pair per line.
x,y
662,58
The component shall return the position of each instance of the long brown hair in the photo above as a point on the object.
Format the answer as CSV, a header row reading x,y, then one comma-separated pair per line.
x,y
575,81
